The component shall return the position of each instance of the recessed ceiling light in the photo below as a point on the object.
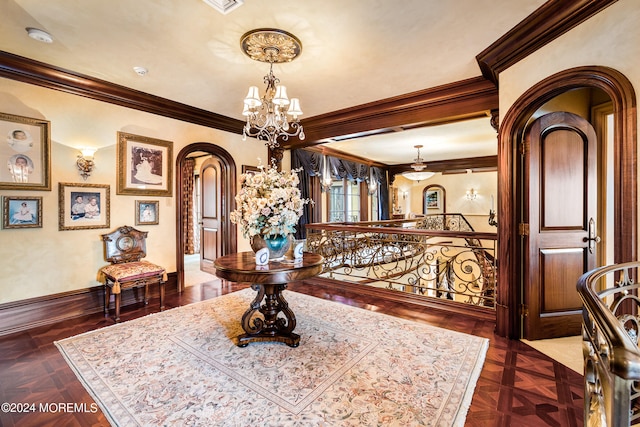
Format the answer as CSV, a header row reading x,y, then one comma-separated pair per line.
x,y
141,71
40,35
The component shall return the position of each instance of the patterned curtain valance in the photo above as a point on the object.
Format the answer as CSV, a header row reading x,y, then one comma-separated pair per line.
x,y
313,164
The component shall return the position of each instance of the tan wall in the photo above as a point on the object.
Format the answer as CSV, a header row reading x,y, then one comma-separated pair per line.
x,y
43,261
456,185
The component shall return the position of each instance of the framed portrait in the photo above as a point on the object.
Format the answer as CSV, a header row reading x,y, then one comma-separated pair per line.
x,y
22,212
83,206
433,199
144,166
250,169
25,153
147,212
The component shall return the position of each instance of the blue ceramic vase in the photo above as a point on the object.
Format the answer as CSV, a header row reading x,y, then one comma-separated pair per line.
x,y
277,245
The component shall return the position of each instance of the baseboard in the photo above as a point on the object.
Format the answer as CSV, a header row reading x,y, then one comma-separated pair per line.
x,y
25,314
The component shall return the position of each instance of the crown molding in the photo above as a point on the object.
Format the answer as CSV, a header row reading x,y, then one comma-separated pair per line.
x,y
38,73
465,99
544,25
477,164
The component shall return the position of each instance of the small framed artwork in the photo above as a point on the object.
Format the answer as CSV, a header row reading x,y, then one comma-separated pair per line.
x,y
83,206
252,170
433,199
22,212
147,212
25,153
144,166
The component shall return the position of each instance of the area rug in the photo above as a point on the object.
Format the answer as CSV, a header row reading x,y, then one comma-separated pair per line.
x,y
353,367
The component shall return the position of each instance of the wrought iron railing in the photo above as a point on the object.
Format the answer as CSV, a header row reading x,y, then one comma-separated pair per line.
x,y
437,256
610,332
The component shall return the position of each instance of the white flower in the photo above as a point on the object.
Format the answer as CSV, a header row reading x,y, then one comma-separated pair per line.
x,y
268,203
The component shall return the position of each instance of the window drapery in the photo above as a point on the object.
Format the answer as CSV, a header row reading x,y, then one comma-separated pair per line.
x,y
313,164
188,167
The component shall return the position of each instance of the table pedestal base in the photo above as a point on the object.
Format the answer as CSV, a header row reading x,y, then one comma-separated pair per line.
x,y
270,327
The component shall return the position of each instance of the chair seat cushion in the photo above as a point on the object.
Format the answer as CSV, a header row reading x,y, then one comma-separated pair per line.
x,y
131,271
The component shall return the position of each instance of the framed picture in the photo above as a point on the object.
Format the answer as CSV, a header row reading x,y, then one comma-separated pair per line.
x,y
22,212
144,166
147,212
25,153
250,169
433,199
83,206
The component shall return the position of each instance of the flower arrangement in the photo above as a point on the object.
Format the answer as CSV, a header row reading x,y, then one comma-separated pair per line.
x,y
269,203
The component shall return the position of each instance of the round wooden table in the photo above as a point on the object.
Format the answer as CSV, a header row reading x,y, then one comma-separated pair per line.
x,y
269,281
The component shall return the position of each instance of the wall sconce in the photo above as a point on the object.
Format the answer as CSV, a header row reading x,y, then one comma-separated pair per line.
x,y
405,194
471,194
85,162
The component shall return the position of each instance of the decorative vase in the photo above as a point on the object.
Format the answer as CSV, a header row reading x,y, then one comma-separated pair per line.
x,y
277,245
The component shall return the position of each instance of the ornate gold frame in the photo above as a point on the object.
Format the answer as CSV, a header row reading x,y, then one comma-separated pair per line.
x,y
132,148
38,155
6,213
65,201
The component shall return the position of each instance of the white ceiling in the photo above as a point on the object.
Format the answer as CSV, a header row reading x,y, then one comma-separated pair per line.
x,y
354,52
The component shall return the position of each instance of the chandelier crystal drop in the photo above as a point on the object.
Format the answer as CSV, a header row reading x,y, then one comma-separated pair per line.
x,y
273,116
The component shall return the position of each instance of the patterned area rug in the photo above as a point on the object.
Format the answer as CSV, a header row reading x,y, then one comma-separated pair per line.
x,y
353,367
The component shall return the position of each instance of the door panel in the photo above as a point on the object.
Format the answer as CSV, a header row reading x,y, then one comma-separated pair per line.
x,y
209,238
559,268
562,181
560,200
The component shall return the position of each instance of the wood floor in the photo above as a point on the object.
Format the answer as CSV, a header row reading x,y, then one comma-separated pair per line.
x,y
518,385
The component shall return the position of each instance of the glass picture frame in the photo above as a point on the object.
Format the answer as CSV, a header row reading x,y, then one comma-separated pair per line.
x,y
21,212
83,206
25,153
144,166
147,212
433,199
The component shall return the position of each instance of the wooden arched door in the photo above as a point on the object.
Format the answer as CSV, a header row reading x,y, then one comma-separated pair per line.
x,y
625,174
559,222
211,214
226,201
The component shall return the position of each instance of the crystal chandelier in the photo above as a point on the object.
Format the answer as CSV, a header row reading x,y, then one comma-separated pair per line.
x,y
418,167
268,116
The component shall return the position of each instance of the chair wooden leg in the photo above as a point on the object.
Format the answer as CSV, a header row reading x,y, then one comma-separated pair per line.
x,y
118,306
107,297
161,296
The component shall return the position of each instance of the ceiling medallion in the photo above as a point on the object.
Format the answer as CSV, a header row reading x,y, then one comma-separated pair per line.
x,y
270,45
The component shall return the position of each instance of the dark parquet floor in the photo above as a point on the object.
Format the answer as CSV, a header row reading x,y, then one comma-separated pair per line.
x,y
518,385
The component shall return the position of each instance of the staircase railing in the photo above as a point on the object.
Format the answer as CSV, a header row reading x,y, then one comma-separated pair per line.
x,y
439,256
611,327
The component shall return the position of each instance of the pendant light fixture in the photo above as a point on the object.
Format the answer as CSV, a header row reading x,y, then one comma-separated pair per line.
x,y
268,116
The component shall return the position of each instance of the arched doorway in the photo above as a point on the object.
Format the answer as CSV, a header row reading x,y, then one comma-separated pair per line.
x,y
226,197
434,196
511,132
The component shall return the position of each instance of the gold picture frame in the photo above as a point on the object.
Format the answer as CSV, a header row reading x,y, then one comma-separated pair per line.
x,y
83,206
432,199
251,170
25,153
144,166
21,212
147,212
